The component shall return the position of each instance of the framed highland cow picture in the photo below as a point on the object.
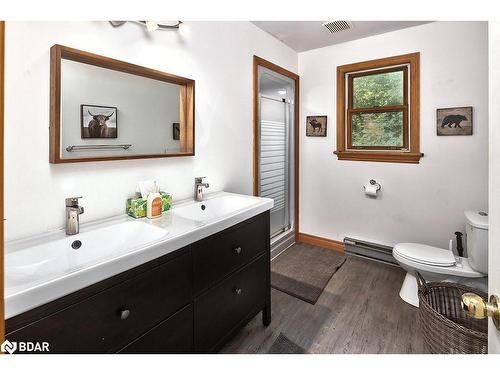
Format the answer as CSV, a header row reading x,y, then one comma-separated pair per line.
x,y
99,121
454,121
316,126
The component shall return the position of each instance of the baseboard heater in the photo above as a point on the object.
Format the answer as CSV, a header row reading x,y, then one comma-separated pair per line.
x,y
370,250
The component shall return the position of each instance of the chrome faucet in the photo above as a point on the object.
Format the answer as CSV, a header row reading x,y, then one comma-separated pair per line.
x,y
73,212
198,188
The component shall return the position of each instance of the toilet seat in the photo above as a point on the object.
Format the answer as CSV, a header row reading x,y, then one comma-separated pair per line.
x,y
426,254
405,254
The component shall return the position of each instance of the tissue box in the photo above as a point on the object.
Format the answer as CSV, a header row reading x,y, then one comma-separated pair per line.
x,y
136,207
166,201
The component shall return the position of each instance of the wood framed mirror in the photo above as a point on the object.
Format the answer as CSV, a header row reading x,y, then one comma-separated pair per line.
x,y
106,109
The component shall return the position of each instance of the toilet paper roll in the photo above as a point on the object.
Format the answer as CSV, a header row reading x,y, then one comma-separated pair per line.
x,y
371,190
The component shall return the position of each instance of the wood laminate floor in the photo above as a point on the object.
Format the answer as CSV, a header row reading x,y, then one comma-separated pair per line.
x,y
359,312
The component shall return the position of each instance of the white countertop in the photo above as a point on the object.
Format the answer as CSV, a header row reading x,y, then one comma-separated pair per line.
x,y
42,268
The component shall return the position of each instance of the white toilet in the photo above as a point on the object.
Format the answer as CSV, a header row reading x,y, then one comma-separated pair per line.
x,y
436,264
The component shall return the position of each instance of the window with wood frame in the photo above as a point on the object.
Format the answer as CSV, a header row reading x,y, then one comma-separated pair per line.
x,y
378,110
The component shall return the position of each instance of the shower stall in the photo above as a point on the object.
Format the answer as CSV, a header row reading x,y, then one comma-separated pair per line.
x,y
276,152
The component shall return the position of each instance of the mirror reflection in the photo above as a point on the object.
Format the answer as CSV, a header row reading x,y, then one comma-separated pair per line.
x,y
106,112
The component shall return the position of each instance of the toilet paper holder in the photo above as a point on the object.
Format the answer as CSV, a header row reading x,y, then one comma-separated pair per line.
x,y
375,183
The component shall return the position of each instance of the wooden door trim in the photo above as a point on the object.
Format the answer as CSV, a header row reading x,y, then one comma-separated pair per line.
x,y
2,100
259,61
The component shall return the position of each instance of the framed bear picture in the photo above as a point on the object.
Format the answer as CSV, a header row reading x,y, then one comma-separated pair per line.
x,y
454,121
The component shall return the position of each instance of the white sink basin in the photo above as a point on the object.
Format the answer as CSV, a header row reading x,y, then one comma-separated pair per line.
x,y
214,208
43,268
42,261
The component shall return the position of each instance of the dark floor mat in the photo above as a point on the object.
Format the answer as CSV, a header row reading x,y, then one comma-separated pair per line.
x,y
283,345
303,271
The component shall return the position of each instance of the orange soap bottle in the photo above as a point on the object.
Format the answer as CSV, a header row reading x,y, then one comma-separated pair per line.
x,y
154,206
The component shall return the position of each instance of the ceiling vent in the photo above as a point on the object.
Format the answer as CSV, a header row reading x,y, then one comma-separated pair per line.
x,y
337,26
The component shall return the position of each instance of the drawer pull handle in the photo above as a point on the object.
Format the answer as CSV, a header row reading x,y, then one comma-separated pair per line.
x,y
237,291
237,250
124,314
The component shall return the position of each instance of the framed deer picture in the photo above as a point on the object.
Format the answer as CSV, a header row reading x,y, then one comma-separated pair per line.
x,y
99,121
316,126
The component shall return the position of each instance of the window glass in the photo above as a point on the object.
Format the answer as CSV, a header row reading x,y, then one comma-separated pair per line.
x,y
378,90
381,129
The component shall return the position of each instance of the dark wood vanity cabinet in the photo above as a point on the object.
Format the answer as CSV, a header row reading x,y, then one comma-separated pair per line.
x,y
174,335
223,253
190,300
234,300
106,321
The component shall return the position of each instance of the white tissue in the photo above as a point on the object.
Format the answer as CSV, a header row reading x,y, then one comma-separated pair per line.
x,y
371,190
146,187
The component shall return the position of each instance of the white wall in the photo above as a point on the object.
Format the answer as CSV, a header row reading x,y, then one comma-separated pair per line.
x,y
422,202
218,55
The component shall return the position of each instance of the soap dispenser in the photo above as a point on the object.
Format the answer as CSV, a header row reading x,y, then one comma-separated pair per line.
x,y
154,204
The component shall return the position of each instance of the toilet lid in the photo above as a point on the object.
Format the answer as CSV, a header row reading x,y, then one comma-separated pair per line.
x,y
425,254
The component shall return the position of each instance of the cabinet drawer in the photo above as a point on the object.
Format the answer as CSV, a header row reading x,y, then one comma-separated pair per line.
x,y
112,318
223,253
218,311
172,336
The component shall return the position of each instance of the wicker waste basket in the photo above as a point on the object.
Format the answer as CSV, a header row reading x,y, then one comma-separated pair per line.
x,y
446,328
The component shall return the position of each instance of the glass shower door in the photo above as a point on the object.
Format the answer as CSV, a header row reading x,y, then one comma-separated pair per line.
x,y
273,160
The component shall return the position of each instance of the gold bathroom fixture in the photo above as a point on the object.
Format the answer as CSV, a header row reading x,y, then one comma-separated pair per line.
x,y
478,308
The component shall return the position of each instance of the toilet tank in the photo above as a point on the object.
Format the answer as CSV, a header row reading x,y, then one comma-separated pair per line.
x,y
476,229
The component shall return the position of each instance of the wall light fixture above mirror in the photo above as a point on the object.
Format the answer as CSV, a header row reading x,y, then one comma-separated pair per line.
x,y
150,25
106,109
